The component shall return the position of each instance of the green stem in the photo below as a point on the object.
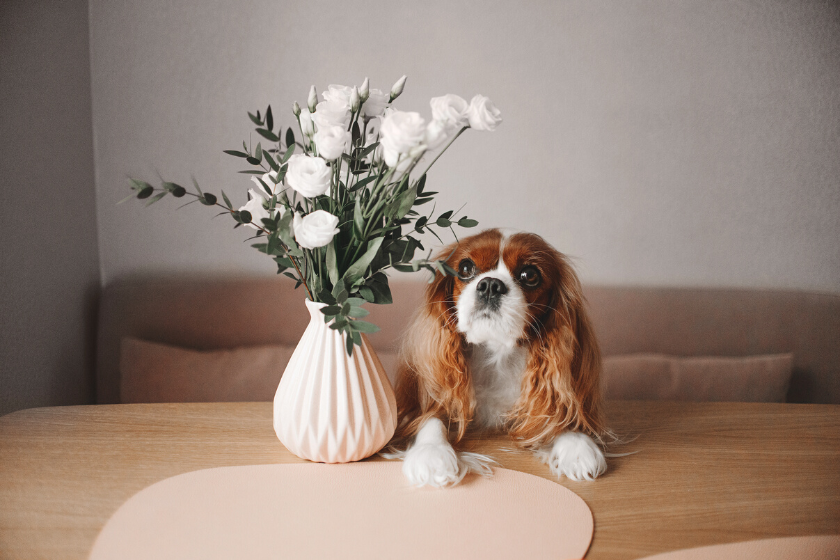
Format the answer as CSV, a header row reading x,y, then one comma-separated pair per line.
x,y
444,149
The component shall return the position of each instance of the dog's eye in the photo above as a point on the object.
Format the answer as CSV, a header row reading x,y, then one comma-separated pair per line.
x,y
466,269
530,276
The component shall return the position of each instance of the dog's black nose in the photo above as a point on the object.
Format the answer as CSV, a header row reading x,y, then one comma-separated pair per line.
x,y
491,289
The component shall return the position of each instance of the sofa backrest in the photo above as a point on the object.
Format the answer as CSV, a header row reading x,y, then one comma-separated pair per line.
x,y
215,313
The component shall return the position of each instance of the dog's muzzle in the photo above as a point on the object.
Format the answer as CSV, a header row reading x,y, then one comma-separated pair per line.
x,y
489,292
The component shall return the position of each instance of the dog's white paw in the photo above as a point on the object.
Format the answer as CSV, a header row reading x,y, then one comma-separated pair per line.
x,y
432,464
575,456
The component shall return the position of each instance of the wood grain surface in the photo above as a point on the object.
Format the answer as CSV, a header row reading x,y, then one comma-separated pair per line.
x,y
703,473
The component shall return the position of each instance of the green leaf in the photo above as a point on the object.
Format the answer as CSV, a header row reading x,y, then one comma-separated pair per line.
x,y
406,202
357,269
258,152
362,182
271,162
332,266
331,310
290,137
365,327
358,219
145,192
421,183
255,118
269,119
268,135
179,191
358,312
253,171
237,154
446,215
245,217
288,154
208,199
367,293
156,198
368,150
253,161
349,345
443,222
381,292
227,200
467,222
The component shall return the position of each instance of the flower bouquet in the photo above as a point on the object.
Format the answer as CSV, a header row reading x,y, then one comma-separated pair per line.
x,y
335,203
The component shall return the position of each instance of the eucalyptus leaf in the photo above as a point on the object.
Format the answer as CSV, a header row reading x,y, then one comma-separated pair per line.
x,y
357,269
268,135
365,327
269,119
237,154
290,137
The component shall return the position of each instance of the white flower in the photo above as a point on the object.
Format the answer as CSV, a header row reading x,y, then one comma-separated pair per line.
x,y
375,104
316,229
436,133
483,114
450,109
307,127
332,141
255,207
308,175
313,99
400,132
338,93
397,88
332,113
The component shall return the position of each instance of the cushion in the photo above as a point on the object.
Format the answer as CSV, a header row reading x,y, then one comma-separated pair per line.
x,y
153,372
659,377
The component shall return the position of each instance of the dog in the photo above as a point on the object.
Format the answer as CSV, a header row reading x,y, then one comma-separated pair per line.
x,y
505,345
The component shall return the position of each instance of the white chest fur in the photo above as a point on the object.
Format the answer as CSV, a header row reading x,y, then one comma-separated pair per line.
x,y
497,381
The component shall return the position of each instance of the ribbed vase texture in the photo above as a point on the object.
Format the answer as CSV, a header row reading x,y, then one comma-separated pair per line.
x,y
331,407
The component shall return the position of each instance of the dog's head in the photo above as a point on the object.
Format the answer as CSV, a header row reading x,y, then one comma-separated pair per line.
x,y
511,291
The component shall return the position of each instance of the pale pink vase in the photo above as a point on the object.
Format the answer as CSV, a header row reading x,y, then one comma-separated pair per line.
x,y
331,407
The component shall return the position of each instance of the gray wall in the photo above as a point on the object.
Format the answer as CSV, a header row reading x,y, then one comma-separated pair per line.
x,y
50,267
661,143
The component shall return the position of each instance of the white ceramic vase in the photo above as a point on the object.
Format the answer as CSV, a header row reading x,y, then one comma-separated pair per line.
x,y
331,407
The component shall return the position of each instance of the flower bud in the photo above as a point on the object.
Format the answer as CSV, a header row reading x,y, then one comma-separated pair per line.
x,y
364,91
296,109
355,100
398,88
313,99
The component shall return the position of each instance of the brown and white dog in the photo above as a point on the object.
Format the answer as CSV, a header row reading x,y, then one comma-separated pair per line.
x,y
507,344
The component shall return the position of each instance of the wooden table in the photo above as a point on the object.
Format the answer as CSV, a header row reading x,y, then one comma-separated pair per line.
x,y
704,473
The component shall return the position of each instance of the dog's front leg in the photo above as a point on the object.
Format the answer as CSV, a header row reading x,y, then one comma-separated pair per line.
x,y
430,459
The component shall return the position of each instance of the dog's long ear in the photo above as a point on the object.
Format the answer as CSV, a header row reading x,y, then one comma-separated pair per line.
x,y
561,386
432,380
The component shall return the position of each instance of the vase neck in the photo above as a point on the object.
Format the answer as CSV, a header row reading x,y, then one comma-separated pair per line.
x,y
314,308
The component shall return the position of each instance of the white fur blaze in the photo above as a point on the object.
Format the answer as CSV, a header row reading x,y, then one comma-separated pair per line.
x,y
575,456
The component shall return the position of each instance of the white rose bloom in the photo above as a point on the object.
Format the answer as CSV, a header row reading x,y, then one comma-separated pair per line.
x,y
308,175
483,114
332,113
255,207
436,133
316,229
400,132
306,124
338,93
450,109
332,142
375,104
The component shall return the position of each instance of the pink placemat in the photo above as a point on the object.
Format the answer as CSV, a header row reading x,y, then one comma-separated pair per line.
x,y
823,547
357,510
